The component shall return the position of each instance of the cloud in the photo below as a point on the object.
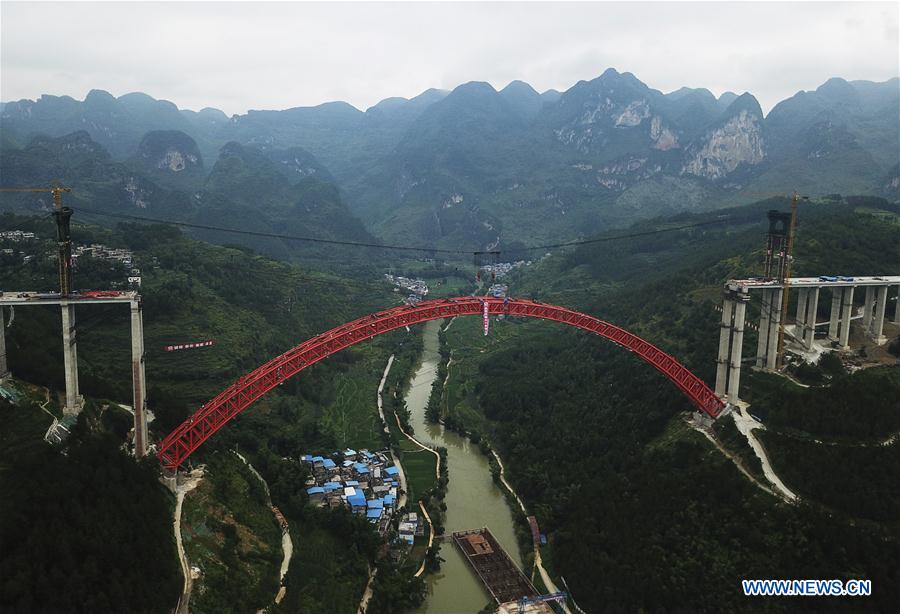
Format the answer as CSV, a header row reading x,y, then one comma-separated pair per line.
x,y
238,56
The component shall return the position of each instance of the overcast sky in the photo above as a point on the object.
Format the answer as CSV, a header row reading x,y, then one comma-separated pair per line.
x,y
239,56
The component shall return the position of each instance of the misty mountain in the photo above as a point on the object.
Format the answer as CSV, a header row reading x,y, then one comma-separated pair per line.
x,y
283,192
522,99
484,168
296,163
171,158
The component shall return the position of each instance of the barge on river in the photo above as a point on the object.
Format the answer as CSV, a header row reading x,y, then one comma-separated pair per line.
x,y
501,576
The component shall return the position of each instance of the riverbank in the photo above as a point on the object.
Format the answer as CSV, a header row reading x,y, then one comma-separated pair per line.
x,y
399,464
401,476
404,488
444,392
538,563
473,499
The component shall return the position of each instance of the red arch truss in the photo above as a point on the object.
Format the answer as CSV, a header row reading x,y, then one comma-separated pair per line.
x,y
212,416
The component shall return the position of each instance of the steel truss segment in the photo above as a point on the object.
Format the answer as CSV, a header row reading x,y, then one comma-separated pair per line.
x,y
246,390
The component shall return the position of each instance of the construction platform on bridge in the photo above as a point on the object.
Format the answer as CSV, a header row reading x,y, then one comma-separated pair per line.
x,y
67,302
841,292
500,575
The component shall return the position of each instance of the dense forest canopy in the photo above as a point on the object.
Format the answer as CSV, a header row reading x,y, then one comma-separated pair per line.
x,y
641,512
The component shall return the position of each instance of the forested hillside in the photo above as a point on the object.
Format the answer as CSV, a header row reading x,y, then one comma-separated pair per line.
x,y
246,189
642,512
254,308
83,527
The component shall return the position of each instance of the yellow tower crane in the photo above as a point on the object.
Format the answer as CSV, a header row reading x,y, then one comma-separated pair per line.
x,y
57,192
789,256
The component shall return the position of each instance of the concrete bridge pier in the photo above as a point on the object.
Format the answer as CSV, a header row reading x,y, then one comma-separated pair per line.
x,y
138,379
769,325
800,319
765,318
897,308
867,308
809,323
4,367
880,307
74,400
737,345
775,324
846,314
724,347
835,314
731,342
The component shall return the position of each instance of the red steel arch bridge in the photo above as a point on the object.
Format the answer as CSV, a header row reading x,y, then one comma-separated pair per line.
x,y
190,435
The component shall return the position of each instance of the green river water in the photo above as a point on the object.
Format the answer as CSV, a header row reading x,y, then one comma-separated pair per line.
x,y
473,500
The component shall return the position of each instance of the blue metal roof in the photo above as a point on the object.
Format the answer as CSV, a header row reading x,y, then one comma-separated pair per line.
x,y
392,471
374,513
389,499
317,459
329,464
357,500
374,503
351,483
349,452
315,490
332,486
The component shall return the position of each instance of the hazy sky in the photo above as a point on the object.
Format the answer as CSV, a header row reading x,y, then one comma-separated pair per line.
x,y
238,56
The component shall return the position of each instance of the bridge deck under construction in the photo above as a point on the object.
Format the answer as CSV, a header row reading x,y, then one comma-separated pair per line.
x,y
493,566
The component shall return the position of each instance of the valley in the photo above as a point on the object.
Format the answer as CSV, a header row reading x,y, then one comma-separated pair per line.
x,y
440,308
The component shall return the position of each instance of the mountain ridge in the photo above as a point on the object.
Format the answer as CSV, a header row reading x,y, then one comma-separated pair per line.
x,y
483,167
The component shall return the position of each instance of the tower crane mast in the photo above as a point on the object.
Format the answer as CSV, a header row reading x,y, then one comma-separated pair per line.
x,y
63,233
789,256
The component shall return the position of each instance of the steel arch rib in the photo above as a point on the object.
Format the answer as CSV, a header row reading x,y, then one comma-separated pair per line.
x,y
213,415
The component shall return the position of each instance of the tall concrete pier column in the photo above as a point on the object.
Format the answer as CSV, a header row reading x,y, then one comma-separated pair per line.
x,y
724,346
846,315
897,308
765,316
774,327
878,317
138,379
737,345
802,295
867,308
809,325
4,367
74,401
835,315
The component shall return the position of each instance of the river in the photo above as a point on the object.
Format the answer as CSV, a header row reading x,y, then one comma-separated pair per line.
x,y
473,500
